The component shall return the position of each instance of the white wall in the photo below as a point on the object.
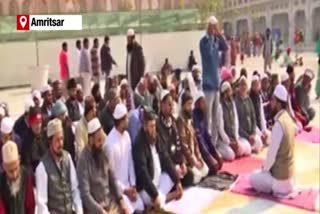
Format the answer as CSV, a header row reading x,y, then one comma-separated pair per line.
x,y
17,57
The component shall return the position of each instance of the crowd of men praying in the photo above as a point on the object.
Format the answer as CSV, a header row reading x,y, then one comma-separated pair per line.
x,y
148,136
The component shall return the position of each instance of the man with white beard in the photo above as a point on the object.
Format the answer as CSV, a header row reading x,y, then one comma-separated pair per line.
x,y
16,183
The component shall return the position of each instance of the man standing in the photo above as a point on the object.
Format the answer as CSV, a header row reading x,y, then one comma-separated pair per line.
x,y
118,150
210,46
74,72
135,64
81,132
95,65
16,183
229,144
63,63
247,117
188,137
208,150
106,60
157,174
277,173
267,50
56,177
85,67
97,183
169,138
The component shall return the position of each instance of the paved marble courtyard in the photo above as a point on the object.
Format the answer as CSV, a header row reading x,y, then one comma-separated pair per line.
x,y
307,155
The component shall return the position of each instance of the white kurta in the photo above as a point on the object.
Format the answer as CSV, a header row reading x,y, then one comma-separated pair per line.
x,y
118,150
42,189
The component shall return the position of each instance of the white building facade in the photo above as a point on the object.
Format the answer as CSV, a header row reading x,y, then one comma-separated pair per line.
x,y
242,16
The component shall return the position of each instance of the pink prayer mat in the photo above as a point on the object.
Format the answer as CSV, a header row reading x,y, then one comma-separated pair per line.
x,y
311,137
242,165
304,198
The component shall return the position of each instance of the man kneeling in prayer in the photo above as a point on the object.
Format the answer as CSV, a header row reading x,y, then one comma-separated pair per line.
x,y
276,176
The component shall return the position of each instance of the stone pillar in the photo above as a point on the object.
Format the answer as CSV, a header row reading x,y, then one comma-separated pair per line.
x,y
291,14
250,24
309,31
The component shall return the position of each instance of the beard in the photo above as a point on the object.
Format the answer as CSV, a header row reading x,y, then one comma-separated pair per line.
x,y
187,114
129,47
151,138
59,153
15,186
98,156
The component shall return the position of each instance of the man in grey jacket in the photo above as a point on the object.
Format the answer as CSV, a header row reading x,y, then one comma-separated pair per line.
x,y
98,188
247,117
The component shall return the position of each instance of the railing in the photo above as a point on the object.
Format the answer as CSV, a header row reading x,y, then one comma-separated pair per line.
x,y
112,23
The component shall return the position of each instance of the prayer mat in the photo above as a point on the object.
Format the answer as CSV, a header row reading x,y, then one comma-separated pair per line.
x,y
221,181
310,137
194,200
242,165
304,198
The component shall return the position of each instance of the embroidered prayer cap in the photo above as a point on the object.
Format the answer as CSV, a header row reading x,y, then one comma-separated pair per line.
x,y
264,76
54,127
59,108
79,87
7,125
255,78
284,77
225,86
120,111
123,82
243,79
196,68
45,89
36,94
28,104
213,20
308,72
198,94
10,152
93,125
281,93
130,32
164,94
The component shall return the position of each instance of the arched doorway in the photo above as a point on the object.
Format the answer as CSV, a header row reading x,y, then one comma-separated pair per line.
x,y
300,21
281,22
242,27
13,8
315,23
259,24
227,27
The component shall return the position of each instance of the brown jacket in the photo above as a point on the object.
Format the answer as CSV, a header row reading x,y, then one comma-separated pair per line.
x,y
188,138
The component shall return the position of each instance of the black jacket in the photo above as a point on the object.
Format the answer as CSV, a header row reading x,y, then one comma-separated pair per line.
x,y
106,59
137,65
143,164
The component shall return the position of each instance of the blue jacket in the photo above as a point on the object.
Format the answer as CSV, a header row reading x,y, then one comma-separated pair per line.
x,y
210,46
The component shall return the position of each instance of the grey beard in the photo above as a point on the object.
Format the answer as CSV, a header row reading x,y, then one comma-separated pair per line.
x,y
15,186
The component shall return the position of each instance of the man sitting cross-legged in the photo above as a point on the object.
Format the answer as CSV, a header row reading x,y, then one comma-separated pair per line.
x,y
156,172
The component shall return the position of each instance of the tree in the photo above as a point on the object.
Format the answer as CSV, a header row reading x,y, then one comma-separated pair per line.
x,y
208,8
